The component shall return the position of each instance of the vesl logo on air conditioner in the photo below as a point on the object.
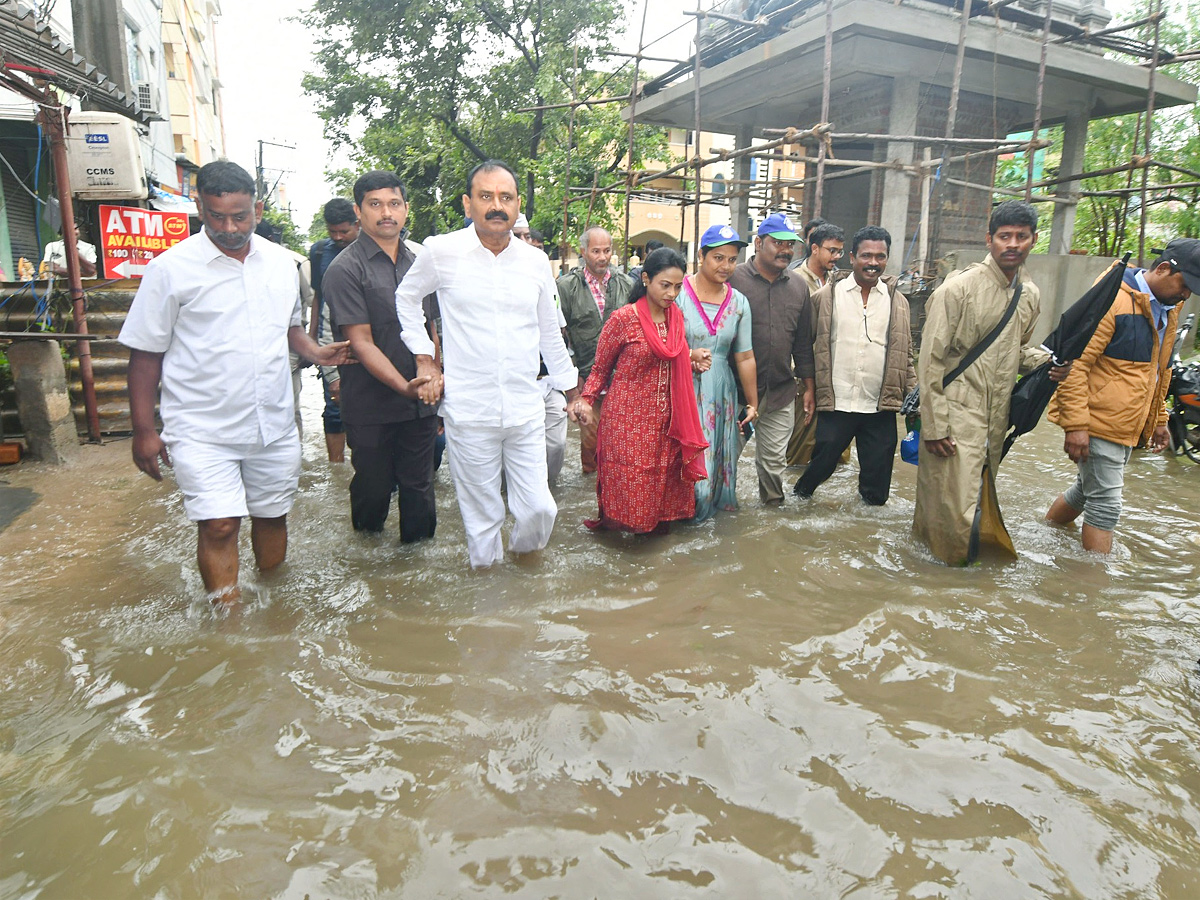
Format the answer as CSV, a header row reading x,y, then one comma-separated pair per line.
x,y
96,138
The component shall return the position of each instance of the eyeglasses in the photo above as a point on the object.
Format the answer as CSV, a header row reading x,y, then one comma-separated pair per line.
x,y
833,253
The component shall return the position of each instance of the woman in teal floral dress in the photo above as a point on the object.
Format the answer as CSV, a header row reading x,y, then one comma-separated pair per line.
x,y
717,326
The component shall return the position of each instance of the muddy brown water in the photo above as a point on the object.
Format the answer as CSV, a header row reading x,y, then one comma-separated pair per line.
x,y
779,703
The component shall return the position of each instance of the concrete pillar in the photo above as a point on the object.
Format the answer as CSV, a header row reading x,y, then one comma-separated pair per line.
x,y
1062,227
897,186
739,207
43,404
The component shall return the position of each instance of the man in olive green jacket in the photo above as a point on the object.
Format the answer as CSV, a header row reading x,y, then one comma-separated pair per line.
x,y
588,295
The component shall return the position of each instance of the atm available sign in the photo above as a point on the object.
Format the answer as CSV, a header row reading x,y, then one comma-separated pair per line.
x,y
131,237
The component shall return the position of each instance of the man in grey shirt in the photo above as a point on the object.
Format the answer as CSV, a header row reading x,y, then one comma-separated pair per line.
x,y
781,327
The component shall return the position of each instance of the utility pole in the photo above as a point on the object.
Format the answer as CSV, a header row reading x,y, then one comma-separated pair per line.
x,y
260,177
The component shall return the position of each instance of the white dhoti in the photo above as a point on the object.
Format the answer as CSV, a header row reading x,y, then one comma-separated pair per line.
x,y
478,455
556,430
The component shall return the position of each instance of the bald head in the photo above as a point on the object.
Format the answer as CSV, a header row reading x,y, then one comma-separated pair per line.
x,y
595,246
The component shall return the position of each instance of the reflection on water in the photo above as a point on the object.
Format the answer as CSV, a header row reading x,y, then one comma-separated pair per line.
x,y
794,703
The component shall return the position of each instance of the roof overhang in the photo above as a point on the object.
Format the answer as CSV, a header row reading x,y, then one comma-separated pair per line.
x,y
779,82
30,50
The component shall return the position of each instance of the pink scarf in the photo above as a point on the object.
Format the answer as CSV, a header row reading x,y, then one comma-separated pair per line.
x,y
715,322
684,428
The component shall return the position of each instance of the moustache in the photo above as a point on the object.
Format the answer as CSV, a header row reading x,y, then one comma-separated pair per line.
x,y
497,214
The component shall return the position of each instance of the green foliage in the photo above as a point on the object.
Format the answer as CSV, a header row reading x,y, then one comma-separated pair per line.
x,y
429,88
292,237
1110,225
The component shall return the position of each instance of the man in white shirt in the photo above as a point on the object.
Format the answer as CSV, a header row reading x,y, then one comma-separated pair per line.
x,y
497,304
862,351
55,258
212,321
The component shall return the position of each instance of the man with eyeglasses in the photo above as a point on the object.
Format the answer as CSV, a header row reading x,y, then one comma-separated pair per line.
x,y
862,351
390,431
825,242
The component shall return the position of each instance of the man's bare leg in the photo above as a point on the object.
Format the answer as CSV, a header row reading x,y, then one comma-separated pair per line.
x,y
1097,540
1062,513
268,537
335,446
217,555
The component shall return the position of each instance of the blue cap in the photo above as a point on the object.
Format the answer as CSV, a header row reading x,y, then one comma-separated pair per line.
x,y
719,235
779,227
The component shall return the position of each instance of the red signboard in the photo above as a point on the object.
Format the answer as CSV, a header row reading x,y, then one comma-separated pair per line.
x,y
131,237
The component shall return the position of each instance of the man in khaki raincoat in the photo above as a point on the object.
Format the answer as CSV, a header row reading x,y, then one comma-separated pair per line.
x,y
963,425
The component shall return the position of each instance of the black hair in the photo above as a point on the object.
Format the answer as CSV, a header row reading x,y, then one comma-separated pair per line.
x,y
490,165
224,177
339,211
651,246
870,233
378,180
827,232
535,235
1013,213
810,225
657,261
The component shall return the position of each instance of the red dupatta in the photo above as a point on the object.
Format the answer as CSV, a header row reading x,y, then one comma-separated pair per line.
x,y
684,427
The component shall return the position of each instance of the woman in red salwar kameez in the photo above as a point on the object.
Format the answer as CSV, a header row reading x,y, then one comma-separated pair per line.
x,y
650,450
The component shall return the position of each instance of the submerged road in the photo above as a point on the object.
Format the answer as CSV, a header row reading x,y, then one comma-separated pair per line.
x,y
778,703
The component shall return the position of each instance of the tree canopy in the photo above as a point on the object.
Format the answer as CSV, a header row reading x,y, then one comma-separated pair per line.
x,y
429,88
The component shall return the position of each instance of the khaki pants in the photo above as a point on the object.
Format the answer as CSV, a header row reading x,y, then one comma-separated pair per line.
x,y
771,434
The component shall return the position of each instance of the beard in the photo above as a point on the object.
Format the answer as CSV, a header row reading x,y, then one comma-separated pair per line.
x,y
226,241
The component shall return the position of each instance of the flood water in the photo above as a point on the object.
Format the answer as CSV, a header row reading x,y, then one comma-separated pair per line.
x,y
783,703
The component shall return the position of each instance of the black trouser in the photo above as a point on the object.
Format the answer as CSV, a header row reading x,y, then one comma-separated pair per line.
x,y
386,458
875,434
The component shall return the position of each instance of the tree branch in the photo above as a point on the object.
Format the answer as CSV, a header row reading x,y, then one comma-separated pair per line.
x,y
461,135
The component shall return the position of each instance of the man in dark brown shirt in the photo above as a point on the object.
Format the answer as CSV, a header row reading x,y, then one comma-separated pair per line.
x,y
391,433
781,323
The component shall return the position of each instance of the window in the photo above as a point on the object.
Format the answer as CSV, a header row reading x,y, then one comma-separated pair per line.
x,y
134,54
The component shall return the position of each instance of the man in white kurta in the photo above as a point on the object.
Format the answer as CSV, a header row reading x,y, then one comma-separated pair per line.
x,y
498,313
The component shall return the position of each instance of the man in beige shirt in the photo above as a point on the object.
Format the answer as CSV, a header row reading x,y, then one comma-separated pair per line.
x,y
825,243
862,351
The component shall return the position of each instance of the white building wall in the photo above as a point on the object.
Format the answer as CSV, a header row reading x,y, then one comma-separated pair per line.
x,y
143,20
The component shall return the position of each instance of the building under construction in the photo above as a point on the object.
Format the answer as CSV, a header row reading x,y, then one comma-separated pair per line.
x,y
899,109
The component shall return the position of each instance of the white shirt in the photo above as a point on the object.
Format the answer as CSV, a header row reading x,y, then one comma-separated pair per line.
x,y
222,326
860,335
498,313
56,253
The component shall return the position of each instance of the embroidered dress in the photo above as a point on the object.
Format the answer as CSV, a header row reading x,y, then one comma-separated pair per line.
x,y
723,329
640,480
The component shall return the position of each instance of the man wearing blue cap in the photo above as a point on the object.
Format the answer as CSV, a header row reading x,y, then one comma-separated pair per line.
x,y
781,318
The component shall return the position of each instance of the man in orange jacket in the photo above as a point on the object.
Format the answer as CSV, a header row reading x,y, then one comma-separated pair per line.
x,y
1113,399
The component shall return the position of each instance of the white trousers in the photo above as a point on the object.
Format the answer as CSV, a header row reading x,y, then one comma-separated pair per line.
x,y
478,455
556,430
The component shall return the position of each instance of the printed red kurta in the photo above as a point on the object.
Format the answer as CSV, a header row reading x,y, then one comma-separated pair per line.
x,y
640,481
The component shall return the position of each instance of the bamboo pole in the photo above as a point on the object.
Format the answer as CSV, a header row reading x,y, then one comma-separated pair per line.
x,y
1147,130
826,83
696,144
633,95
1040,95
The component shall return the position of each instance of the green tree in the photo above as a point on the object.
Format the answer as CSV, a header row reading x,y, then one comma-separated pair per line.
x,y
291,236
429,89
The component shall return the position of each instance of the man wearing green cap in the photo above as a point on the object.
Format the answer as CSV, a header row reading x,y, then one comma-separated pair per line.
x,y
781,318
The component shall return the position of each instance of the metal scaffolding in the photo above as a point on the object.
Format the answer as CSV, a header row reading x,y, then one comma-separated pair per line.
x,y
790,144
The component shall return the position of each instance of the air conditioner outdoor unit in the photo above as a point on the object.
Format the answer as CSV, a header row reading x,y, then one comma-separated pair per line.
x,y
148,99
